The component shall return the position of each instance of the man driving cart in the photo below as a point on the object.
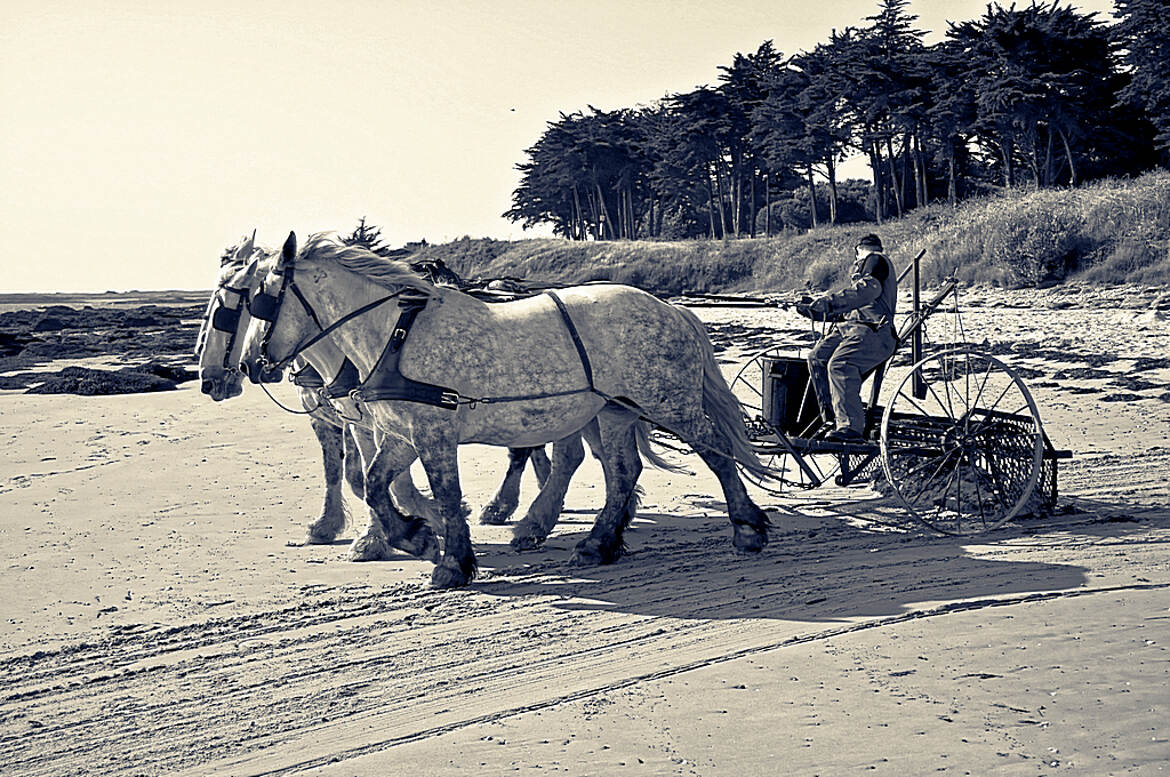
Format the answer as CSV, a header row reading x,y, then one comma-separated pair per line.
x,y
861,337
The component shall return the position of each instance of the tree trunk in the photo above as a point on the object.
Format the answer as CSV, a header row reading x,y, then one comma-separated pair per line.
x,y
1005,149
606,221
633,216
1034,157
920,195
1048,159
812,197
879,195
711,205
952,188
578,217
767,205
752,208
722,209
895,184
736,196
1072,167
831,168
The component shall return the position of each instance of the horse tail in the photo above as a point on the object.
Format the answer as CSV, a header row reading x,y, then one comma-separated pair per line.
x,y
642,436
720,405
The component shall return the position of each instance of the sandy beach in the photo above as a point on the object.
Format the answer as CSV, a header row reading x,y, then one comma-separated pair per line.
x,y
161,615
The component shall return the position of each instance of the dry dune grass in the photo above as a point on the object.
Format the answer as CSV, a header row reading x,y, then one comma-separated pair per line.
x,y
1109,232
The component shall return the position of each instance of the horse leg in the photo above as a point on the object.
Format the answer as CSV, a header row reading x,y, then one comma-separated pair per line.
x,y
622,465
507,497
332,520
748,521
407,499
387,527
441,461
355,472
542,514
540,465
410,501
413,526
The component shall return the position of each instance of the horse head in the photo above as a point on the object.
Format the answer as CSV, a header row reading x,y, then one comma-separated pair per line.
x,y
269,343
226,320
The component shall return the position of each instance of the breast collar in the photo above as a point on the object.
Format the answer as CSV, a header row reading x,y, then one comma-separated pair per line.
x,y
386,380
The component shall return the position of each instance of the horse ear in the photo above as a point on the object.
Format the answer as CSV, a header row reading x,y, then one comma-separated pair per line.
x,y
247,246
289,252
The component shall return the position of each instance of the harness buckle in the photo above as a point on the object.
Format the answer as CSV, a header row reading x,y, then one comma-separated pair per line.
x,y
450,398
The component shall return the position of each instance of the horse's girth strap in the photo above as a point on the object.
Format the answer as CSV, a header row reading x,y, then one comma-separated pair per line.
x,y
580,346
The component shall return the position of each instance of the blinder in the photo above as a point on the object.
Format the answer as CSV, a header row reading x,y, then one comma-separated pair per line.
x,y
264,306
226,319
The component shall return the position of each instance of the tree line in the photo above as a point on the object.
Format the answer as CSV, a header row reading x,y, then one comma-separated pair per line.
x,y
1038,96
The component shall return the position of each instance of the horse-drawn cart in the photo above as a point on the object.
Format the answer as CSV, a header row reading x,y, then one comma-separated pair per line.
x,y
959,441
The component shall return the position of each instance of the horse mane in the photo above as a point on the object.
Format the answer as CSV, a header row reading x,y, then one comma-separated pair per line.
x,y
390,273
231,263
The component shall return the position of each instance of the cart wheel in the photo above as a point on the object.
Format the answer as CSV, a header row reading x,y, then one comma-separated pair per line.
x,y
748,383
965,457
785,472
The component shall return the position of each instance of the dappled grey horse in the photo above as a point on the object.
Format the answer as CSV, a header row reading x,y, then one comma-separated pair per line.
x,y
342,442
438,368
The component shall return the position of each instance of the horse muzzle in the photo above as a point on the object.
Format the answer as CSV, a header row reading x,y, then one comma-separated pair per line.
x,y
261,372
220,390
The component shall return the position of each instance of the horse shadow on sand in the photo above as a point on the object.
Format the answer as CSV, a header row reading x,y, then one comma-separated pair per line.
x,y
822,564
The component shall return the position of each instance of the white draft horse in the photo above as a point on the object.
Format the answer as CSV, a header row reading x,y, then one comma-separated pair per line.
x,y
221,338
456,370
343,442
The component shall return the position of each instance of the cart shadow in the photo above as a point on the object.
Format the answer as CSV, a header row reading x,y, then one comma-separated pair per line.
x,y
820,567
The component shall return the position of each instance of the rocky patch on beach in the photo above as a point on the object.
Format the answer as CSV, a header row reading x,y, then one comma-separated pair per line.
x,y
153,341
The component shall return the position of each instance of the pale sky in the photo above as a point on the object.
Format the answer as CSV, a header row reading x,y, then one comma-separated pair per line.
x,y
138,139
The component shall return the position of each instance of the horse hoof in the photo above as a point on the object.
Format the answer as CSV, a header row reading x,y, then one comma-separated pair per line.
x,y
590,553
448,577
369,548
324,530
419,541
526,543
495,515
749,541
318,537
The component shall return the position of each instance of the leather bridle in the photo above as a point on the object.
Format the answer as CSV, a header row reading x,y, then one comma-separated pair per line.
x,y
225,319
267,307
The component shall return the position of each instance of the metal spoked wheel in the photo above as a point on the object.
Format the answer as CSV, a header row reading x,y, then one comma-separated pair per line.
x,y
785,471
964,455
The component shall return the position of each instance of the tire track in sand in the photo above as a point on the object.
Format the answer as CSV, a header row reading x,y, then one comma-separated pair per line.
x,y
337,675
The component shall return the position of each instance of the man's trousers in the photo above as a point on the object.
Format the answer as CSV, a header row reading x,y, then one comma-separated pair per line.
x,y
836,364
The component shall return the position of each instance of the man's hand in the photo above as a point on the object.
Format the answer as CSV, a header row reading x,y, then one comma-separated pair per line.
x,y
815,308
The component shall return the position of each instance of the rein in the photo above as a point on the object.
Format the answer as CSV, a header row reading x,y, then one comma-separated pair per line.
x,y
286,408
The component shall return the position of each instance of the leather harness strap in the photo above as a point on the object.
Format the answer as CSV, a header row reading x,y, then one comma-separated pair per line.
x,y
346,381
386,380
575,337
